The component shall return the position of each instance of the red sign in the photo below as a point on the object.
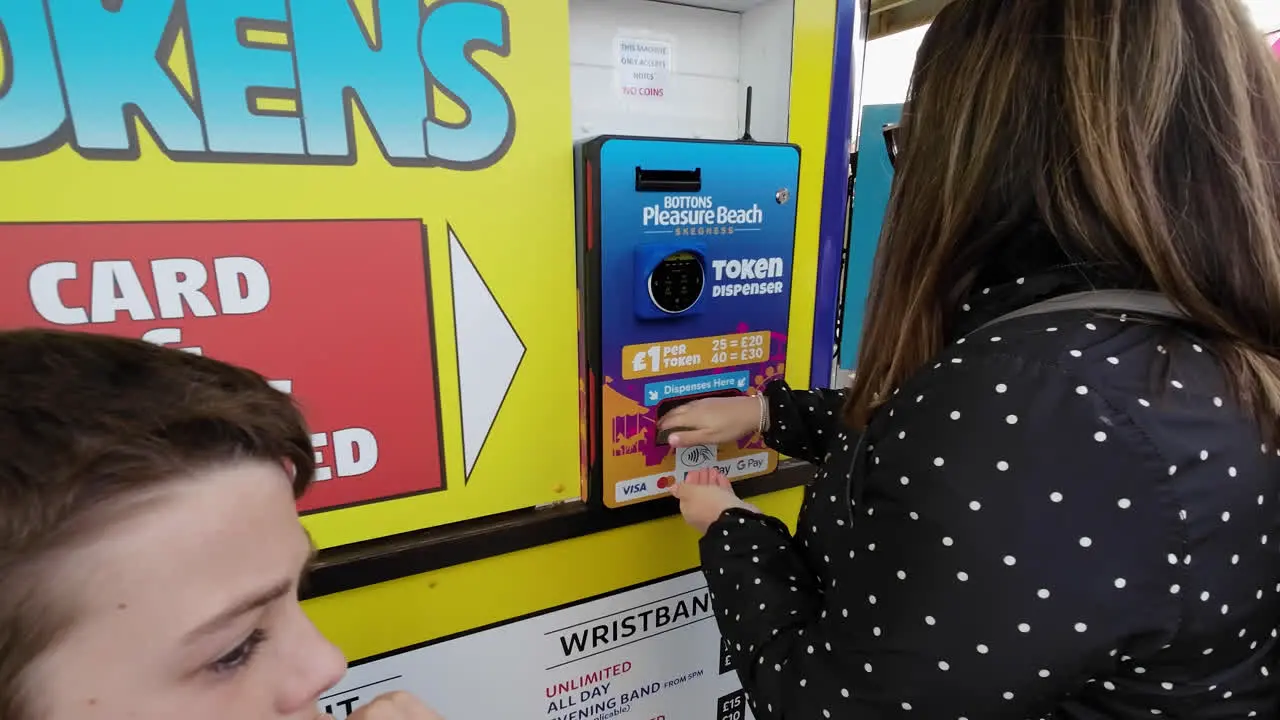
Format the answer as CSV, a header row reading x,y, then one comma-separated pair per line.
x,y
336,312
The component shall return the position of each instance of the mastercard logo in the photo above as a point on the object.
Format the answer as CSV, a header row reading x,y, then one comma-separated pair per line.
x,y
666,481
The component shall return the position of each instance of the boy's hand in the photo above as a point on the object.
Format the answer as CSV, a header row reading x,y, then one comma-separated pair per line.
x,y
392,706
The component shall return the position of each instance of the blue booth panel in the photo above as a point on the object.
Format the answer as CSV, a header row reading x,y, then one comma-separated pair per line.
x,y
870,198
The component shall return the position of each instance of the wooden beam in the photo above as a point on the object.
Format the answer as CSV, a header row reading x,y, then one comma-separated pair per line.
x,y
893,16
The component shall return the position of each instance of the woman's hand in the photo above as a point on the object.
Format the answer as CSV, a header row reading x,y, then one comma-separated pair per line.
x,y
712,421
704,496
392,706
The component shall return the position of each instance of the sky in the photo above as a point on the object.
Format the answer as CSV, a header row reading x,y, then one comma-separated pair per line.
x,y
889,59
1266,13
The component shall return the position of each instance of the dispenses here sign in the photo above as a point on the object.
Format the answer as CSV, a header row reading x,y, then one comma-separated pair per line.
x,y
344,326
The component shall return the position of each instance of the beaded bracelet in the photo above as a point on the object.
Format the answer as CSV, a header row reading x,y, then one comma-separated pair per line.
x,y
764,413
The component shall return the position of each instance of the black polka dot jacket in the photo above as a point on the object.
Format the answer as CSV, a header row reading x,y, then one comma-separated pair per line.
x,y
1063,516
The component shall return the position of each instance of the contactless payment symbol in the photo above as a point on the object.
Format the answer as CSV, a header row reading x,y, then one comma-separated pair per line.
x,y
694,458
697,455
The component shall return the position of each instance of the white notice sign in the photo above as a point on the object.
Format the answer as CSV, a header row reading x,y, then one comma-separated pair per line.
x,y
642,67
649,653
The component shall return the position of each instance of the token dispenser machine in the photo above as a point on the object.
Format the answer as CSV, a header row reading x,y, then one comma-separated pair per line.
x,y
685,262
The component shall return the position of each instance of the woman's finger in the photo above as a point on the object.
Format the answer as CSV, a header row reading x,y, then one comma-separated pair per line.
x,y
670,420
689,438
684,414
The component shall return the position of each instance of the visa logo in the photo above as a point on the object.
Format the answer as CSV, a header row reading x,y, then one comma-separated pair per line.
x,y
634,488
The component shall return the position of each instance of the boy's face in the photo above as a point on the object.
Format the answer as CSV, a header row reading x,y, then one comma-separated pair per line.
x,y
188,609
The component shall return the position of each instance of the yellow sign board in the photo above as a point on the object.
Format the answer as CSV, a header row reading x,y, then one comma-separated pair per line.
x,y
367,202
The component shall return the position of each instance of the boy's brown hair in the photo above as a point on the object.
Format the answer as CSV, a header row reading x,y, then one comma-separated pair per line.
x,y
90,422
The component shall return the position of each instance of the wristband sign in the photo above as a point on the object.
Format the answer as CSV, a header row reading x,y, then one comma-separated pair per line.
x,y
291,300
651,651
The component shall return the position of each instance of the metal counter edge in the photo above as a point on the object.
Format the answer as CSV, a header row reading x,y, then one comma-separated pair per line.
x,y
375,561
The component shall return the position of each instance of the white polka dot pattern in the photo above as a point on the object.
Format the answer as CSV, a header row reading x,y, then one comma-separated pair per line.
x,y
999,535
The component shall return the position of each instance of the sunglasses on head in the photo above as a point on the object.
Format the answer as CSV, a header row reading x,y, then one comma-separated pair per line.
x,y
891,142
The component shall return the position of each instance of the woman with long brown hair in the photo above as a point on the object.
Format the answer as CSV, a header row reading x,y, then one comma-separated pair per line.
x,y
1054,487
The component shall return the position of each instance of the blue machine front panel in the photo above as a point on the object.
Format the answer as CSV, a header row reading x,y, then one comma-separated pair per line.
x,y
739,230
